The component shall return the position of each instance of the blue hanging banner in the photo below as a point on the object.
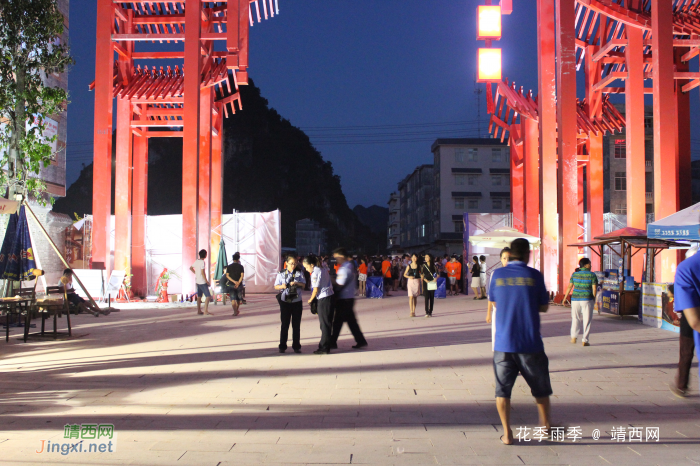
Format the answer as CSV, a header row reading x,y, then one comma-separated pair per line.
x,y
16,255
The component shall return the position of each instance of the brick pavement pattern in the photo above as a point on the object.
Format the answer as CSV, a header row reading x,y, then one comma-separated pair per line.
x,y
183,389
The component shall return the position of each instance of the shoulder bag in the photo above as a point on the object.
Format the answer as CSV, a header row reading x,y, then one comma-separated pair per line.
x,y
432,284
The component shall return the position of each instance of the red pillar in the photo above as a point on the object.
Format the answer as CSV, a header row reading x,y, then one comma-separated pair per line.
x,y
665,132
122,208
517,194
594,177
548,141
594,174
139,211
531,170
102,158
580,212
634,130
204,194
685,179
216,181
190,142
567,142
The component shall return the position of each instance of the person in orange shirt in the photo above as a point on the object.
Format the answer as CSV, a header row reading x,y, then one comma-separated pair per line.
x,y
362,277
386,273
454,273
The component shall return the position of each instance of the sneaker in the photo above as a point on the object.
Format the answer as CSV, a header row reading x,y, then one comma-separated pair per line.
x,y
573,341
585,343
320,351
297,350
359,345
243,301
283,350
427,315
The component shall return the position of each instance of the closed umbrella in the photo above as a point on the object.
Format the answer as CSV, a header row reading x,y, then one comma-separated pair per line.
x,y
221,261
16,255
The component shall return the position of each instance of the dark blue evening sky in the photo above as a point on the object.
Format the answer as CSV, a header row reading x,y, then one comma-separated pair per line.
x,y
402,69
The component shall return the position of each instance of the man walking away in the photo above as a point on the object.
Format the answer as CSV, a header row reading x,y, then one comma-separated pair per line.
x,y
454,270
520,295
200,279
585,285
290,282
235,274
345,301
321,296
386,275
686,290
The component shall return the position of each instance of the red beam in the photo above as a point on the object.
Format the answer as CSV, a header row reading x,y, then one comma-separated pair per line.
x,y
531,170
204,189
139,280
608,79
157,123
607,47
217,182
122,251
163,134
161,37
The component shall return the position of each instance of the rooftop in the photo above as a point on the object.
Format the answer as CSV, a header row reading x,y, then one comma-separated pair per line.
x,y
466,142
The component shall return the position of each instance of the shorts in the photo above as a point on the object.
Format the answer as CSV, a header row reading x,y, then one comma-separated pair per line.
x,y
236,294
453,280
476,282
74,299
534,368
362,277
203,290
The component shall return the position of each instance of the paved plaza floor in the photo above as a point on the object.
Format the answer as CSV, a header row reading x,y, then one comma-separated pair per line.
x,y
182,389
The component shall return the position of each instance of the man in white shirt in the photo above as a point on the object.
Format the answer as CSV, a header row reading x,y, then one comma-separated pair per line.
x,y
345,301
200,278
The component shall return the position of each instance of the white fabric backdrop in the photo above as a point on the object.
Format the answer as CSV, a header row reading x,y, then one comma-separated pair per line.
x,y
257,236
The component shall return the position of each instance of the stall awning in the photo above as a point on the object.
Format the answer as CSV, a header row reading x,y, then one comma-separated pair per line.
x,y
684,225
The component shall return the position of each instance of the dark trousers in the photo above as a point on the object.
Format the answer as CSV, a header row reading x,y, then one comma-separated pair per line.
x,y
290,312
687,348
345,312
325,318
429,299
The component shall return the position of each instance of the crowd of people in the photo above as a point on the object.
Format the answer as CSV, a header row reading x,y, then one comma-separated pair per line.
x,y
516,296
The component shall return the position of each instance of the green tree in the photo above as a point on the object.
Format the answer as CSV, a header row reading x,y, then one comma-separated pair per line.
x,y
30,32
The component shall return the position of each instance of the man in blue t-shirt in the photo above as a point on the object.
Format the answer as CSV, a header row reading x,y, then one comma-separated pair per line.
x,y
686,291
519,293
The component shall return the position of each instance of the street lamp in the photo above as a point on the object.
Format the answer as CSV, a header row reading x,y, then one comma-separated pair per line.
x,y
489,65
488,22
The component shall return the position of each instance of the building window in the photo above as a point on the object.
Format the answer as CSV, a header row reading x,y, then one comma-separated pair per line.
x,y
422,231
497,204
496,156
621,210
459,155
460,180
459,203
473,204
409,235
496,180
508,205
620,181
620,149
459,227
472,155
648,122
472,180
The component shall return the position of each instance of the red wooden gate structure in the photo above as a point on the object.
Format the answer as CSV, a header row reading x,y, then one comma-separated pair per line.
x,y
188,100
554,135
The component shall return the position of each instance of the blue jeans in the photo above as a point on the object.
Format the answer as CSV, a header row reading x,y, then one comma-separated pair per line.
x,y
534,368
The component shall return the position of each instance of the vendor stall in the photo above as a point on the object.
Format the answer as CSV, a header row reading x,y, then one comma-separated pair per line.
x,y
620,294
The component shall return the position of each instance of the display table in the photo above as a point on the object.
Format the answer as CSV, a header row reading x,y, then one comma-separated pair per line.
x,y
441,291
50,306
621,303
375,287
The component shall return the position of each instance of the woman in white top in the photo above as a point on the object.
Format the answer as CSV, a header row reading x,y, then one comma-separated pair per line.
x,y
491,310
483,267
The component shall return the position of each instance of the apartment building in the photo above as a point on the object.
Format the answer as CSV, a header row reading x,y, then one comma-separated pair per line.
x,y
415,214
615,166
310,237
470,175
393,234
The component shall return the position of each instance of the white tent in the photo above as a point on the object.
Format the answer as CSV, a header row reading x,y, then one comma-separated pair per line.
x,y
681,226
501,238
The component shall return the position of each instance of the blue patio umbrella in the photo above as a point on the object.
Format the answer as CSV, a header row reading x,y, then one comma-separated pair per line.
x,y
17,255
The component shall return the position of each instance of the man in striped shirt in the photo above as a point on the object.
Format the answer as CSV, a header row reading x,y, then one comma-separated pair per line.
x,y
585,285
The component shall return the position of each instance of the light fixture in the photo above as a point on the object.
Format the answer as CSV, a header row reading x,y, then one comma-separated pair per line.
x,y
489,65
488,22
